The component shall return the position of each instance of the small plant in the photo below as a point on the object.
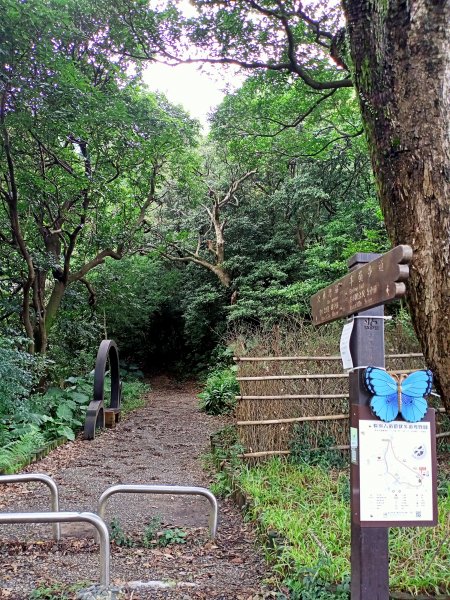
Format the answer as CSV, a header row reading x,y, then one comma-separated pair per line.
x,y
172,536
150,537
311,587
222,486
55,591
153,536
219,395
133,395
226,451
118,535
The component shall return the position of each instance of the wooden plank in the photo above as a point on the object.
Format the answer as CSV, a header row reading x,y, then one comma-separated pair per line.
x,y
294,420
372,284
314,376
286,452
307,377
315,358
294,397
268,453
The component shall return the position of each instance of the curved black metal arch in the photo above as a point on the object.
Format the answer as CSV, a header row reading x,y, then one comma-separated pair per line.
x,y
95,415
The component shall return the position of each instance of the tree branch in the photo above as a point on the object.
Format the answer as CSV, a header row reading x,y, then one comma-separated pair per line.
x,y
92,295
97,260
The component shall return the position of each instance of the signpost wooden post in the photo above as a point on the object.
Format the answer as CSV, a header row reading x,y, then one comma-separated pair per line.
x,y
372,281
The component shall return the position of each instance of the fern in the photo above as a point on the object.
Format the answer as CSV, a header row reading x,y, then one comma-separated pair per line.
x,y
15,454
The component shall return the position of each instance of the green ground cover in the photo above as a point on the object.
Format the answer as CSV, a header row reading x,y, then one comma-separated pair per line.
x,y
31,426
305,509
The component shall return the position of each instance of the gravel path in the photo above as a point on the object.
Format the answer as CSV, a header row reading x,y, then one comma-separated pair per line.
x,y
161,443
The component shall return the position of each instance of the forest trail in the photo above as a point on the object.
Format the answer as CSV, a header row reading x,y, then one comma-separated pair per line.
x,y
161,443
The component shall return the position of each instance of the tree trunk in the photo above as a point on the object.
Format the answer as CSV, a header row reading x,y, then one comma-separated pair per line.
x,y
54,303
401,60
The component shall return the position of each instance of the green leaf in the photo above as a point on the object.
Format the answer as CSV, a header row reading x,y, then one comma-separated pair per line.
x,y
80,398
64,412
66,432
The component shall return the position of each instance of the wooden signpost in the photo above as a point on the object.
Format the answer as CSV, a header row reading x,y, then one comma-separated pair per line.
x,y
377,281
373,280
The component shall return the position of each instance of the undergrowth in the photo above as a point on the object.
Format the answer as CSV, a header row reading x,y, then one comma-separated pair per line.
x,y
325,454
154,535
219,395
308,508
225,452
36,421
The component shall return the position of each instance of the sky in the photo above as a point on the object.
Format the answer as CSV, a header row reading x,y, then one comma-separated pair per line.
x,y
197,89
197,92
187,85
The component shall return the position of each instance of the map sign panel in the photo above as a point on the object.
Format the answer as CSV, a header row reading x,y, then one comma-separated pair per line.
x,y
396,473
376,282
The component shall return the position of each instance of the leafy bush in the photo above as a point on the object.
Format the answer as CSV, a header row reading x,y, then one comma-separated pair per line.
x,y
325,455
118,535
149,539
153,535
60,411
133,393
219,395
32,422
16,454
16,375
312,587
172,536
225,449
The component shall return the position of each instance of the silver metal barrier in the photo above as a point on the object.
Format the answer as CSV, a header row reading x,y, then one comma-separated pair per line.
x,y
69,517
176,490
49,482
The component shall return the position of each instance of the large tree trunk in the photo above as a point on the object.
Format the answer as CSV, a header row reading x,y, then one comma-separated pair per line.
x,y
401,60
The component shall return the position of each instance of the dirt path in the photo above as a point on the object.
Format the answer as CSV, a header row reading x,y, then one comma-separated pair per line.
x,y
161,443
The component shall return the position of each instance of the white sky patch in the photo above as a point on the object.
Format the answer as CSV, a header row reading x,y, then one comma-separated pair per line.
x,y
194,89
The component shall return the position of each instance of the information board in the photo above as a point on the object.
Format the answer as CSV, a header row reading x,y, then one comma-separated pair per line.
x,y
397,472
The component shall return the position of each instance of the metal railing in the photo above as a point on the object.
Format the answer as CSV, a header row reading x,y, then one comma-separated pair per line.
x,y
69,517
176,490
49,482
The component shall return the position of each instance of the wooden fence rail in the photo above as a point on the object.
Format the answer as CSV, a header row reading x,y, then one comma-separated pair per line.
x,y
315,358
266,416
312,376
294,397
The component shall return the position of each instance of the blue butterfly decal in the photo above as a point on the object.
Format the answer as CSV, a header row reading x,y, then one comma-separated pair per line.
x,y
393,395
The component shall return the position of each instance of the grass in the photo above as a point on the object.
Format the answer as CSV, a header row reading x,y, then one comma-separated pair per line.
x,y
309,513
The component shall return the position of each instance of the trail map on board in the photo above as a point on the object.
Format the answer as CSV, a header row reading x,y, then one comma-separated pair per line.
x,y
395,474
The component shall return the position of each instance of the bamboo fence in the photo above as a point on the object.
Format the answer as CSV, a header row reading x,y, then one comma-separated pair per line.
x,y
305,396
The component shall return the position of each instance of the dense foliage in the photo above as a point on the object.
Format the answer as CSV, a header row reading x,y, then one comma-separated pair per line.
x,y
123,225
119,220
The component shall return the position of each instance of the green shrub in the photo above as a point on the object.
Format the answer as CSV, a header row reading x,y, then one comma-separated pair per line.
x,y
133,395
325,454
150,537
172,536
16,454
16,377
118,535
219,395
